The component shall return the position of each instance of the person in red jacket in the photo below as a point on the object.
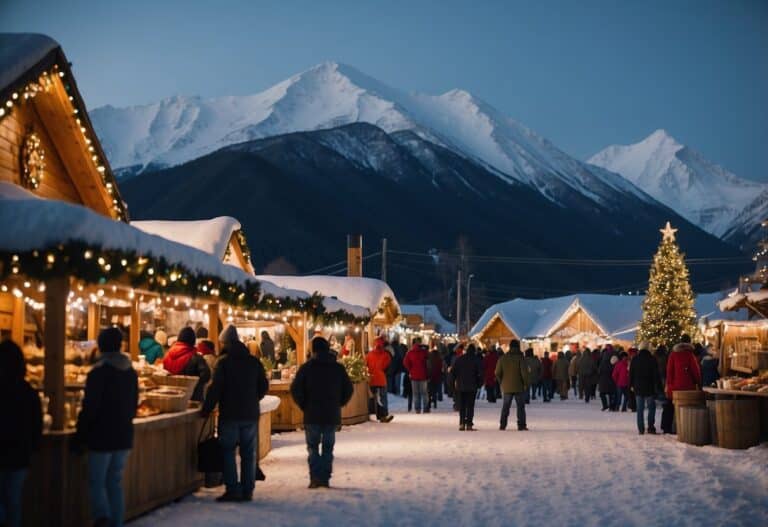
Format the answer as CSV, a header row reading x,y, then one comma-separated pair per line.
x,y
683,372
415,363
489,374
620,377
546,377
378,360
183,359
435,371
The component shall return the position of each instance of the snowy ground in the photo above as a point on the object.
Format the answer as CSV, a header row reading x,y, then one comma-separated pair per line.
x,y
576,466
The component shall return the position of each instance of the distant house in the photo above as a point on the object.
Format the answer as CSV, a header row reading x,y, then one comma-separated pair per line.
x,y
426,318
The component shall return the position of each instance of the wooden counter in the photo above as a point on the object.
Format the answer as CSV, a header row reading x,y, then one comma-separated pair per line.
x,y
162,467
289,417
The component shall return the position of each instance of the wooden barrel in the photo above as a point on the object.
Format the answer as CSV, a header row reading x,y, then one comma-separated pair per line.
x,y
693,426
737,423
685,398
711,408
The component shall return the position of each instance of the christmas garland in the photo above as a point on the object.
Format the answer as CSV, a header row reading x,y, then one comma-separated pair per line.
x,y
95,265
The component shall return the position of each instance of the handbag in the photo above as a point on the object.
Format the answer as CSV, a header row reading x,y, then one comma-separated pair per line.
x,y
210,457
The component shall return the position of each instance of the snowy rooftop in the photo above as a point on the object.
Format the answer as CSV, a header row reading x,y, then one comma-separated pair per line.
x,y
431,315
210,236
19,52
616,314
736,300
365,292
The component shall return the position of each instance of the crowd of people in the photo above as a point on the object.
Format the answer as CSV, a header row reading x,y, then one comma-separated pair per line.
x,y
626,380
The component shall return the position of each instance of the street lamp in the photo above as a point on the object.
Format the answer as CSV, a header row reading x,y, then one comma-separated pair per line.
x,y
469,291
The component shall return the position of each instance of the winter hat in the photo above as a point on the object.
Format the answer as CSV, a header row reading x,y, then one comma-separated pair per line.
x,y
514,344
229,336
161,337
110,340
187,336
320,345
202,332
614,359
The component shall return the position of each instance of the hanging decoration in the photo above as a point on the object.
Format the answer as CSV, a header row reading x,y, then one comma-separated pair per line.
x,y
32,161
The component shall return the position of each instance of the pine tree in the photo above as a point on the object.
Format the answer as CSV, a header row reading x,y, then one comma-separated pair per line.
x,y
668,309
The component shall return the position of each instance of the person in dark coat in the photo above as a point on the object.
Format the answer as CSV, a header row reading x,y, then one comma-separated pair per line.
x,y
183,359
435,367
661,355
105,426
533,364
489,374
239,383
546,377
22,427
320,389
267,346
709,365
467,373
587,372
644,378
605,382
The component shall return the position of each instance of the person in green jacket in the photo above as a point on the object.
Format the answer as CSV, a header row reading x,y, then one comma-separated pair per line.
x,y
150,348
512,374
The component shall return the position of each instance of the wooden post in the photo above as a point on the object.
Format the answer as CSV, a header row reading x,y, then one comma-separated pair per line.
x,y
17,321
354,255
135,331
93,321
56,291
213,325
371,338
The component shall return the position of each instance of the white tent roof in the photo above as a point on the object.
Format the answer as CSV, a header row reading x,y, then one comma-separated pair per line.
x,y
617,315
431,315
210,236
21,51
365,292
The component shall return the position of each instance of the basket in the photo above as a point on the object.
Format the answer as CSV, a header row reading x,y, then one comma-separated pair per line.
x,y
182,382
167,403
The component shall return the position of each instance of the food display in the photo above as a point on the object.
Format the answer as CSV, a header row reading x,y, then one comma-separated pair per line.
x,y
758,384
145,410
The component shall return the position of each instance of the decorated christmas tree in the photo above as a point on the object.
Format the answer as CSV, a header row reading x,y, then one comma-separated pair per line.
x,y
668,309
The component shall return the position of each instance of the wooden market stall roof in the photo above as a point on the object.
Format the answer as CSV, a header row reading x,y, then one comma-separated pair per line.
x,y
369,293
606,315
754,301
428,314
47,142
222,237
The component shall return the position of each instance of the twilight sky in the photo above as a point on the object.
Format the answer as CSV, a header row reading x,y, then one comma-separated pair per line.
x,y
583,74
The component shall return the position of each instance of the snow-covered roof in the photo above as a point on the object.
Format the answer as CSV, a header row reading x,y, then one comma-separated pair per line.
x,y
736,300
19,52
210,236
431,315
616,315
365,292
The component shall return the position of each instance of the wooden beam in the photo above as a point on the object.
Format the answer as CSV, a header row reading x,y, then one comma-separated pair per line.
x,y
237,251
134,330
93,320
56,291
17,324
213,324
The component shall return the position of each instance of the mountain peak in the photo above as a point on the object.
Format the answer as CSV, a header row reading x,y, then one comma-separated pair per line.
x,y
662,137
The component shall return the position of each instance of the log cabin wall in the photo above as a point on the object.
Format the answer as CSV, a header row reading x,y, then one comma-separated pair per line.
x,y
497,331
579,322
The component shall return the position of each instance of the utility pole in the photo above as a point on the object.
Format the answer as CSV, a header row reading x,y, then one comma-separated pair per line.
x,y
469,302
384,260
458,303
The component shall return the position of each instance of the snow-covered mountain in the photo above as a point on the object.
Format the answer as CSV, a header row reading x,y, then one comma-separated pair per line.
x,y
704,193
180,129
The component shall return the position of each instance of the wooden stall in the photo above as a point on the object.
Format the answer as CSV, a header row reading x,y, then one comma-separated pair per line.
x,y
742,346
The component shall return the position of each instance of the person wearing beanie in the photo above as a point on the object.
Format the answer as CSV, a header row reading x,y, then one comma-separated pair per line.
x,y
709,365
183,359
201,333
207,349
415,363
467,377
587,373
105,426
378,360
267,346
513,376
644,379
239,383
321,388
228,338
20,433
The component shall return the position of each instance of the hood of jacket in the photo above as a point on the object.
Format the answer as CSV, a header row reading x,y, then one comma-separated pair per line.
x,y
178,357
682,346
116,359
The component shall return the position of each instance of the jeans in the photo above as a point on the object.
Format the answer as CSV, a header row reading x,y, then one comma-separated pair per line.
x,y
467,407
380,397
320,462
105,477
532,391
232,433
11,487
576,387
546,388
644,402
420,397
519,399
622,397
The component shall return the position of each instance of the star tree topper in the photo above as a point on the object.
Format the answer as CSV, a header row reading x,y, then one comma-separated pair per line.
x,y
668,232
